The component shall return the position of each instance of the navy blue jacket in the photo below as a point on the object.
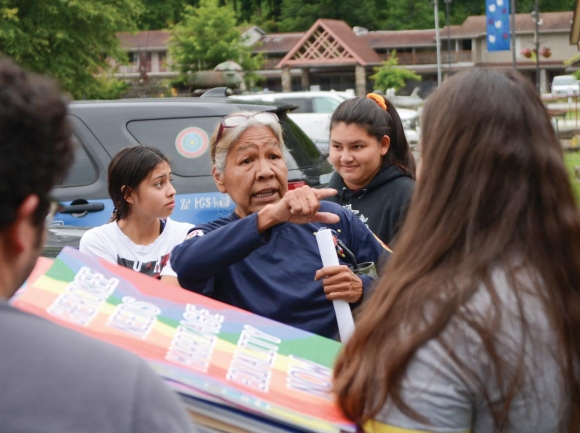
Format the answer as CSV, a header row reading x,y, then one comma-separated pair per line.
x,y
271,274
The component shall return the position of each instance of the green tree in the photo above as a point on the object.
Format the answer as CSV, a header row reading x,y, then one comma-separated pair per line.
x,y
389,76
412,14
68,40
299,15
162,14
208,36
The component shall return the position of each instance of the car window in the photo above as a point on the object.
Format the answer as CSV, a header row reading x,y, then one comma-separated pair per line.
x,y
303,104
559,81
184,140
82,171
303,152
324,105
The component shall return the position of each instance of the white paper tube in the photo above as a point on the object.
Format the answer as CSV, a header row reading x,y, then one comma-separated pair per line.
x,y
341,307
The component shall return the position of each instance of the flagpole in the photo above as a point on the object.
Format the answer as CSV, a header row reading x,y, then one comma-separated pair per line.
x,y
536,14
513,7
437,41
448,40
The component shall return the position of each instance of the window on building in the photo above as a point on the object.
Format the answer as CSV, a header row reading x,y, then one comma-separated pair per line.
x,y
466,44
162,56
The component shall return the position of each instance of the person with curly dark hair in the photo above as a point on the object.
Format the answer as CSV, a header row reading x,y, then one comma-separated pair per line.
x,y
54,379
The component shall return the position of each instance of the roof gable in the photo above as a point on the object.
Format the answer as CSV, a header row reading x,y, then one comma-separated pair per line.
x,y
329,42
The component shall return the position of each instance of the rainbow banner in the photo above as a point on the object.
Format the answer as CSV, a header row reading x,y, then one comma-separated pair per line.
x,y
204,349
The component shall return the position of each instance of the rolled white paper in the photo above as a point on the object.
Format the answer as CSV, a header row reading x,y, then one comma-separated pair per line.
x,y
341,307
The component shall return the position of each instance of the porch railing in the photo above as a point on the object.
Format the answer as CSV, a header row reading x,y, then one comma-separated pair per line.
x,y
430,57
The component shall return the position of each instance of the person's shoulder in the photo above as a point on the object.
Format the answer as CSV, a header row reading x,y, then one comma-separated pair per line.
x,y
346,215
220,221
330,206
174,223
405,181
104,230
25,326
73,374
401,182
178,226
103,236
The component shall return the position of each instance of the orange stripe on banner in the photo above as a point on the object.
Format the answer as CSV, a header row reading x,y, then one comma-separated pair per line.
x,y
373,426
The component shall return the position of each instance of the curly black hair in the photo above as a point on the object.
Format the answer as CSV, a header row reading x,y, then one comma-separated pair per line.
x,y
35,140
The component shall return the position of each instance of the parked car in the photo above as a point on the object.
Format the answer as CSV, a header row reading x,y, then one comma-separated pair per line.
x,y
180,128
315,108
564,86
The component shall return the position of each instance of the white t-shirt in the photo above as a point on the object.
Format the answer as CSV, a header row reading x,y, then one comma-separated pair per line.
x,y
110,243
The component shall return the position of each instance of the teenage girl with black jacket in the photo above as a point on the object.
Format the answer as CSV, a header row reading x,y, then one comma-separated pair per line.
x,y
375,168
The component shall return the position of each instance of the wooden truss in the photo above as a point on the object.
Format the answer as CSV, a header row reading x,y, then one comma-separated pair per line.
x,y
322,46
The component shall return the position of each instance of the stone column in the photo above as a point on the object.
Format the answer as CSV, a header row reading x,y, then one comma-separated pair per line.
x,y
305,78
360,77
543,81
286,79
154,61
475,52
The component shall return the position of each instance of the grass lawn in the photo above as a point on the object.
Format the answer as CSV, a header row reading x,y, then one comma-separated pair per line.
x,y
572,159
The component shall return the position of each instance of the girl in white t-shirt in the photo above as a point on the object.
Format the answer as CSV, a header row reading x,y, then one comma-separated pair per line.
x,y
140,235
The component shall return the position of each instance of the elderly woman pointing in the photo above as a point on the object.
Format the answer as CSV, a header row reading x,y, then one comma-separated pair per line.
x,y
264,258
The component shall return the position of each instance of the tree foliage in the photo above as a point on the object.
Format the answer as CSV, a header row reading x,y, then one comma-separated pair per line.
x,y
163,14
208,36
68,40
389,76
299,15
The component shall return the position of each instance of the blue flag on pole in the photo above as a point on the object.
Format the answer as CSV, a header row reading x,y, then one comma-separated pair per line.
x,y
498,25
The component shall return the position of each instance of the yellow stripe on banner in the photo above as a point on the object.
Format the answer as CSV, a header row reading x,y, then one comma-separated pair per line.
x,y
382,243
52,285
374,426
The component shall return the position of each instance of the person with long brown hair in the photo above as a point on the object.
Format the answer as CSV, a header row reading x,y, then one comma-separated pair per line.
x,y
477,327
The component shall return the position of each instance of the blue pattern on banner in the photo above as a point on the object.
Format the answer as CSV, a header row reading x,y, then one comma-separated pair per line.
x,y
498,25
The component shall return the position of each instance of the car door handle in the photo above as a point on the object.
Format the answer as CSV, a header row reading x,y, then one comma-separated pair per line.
x,y
87,207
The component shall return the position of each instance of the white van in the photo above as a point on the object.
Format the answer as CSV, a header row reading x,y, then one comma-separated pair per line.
x,y
316,107
564,86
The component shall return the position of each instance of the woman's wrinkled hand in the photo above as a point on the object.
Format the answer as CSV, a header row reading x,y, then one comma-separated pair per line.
x,y
299,206
339,282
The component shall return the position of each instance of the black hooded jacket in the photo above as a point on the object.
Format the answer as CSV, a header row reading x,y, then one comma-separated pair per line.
x,y
382,204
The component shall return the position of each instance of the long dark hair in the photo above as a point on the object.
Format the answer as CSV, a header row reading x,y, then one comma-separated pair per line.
x,y
378,123
127,170
492,191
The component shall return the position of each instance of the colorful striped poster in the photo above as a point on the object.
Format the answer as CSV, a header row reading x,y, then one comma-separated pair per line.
x,y
217,351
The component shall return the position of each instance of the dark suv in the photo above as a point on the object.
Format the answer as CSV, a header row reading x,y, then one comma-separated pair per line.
x,y
180,128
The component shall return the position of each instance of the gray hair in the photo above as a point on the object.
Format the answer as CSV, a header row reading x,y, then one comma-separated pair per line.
x,y
230,136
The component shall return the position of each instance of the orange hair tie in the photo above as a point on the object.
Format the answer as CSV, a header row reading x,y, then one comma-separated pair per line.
x,y
378,99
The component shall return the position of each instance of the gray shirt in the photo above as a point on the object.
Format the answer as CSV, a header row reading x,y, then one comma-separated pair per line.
x,y
53,379
437,388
